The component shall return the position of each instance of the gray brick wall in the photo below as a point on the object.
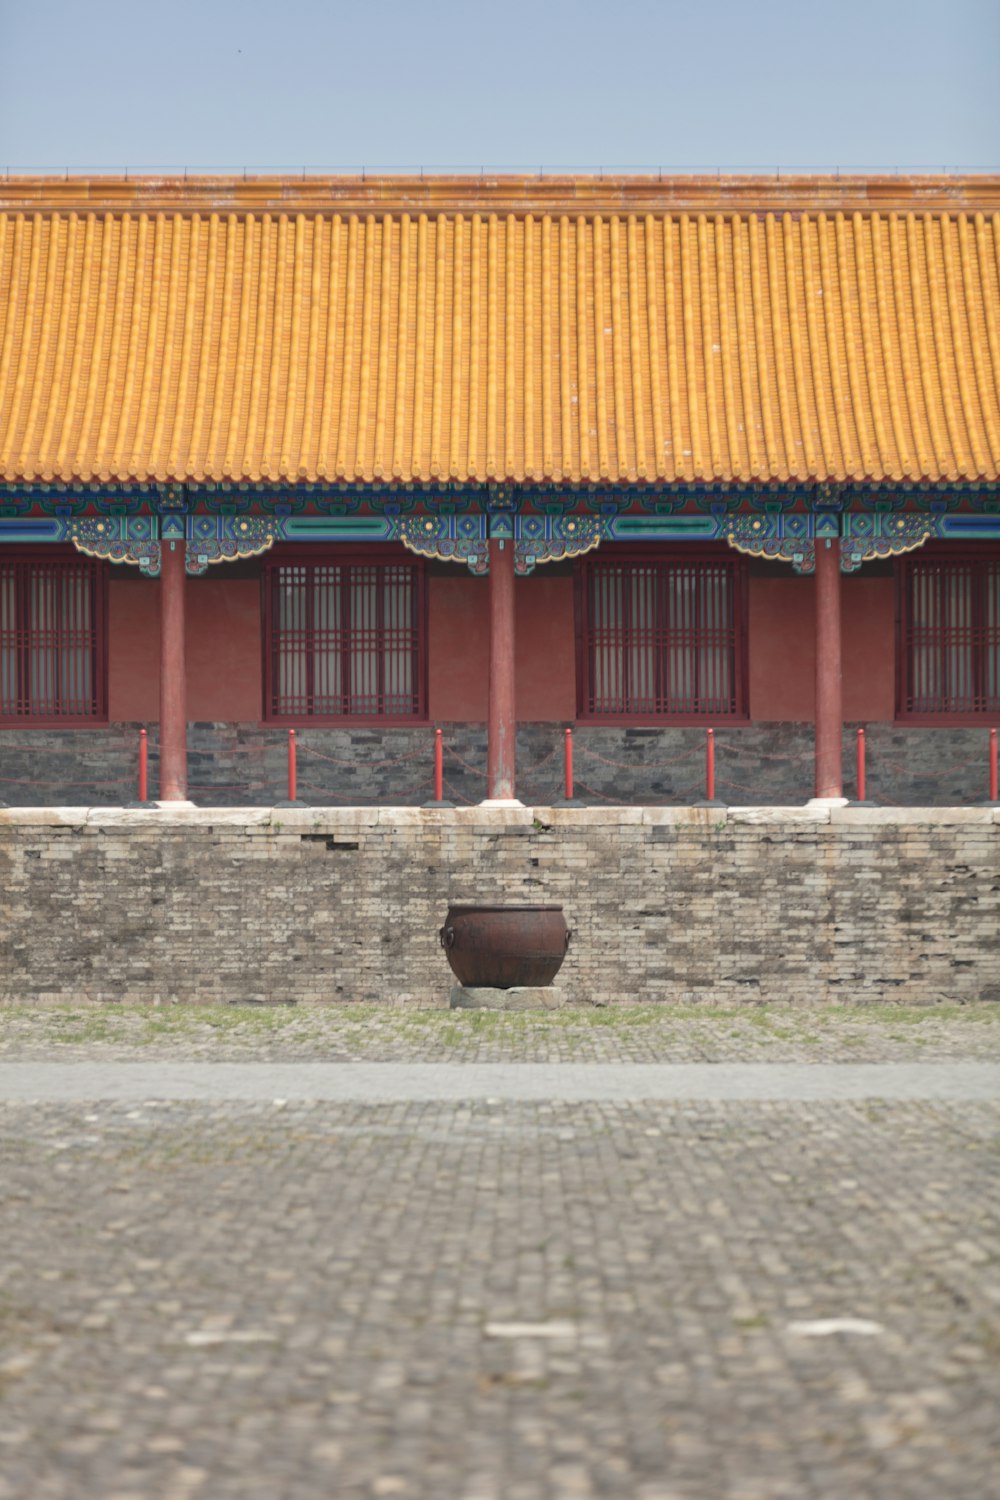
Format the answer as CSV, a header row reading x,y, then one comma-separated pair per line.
x,y
237,765
801,905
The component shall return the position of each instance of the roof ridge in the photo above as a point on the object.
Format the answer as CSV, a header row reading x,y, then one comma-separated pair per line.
x,y
584,194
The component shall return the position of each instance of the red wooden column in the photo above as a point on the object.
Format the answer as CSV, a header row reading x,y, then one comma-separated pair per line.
x,y
500,759
173,677
829,691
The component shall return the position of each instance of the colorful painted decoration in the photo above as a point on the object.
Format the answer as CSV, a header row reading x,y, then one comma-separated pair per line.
x,y
466,538
869,537
542,539
449,538
783,537
226,524
118,539
216,539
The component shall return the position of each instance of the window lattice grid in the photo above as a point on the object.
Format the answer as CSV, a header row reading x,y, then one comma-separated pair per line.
x,y
951,646
346,640
661,639
51,640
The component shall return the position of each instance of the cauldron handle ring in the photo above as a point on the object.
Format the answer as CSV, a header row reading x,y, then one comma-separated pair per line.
x,y
447,936
569,934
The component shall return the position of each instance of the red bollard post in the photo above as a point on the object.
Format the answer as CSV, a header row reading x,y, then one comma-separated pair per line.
x,y
438,798
710,766
993,766
568,753
293,768
143,766
861,766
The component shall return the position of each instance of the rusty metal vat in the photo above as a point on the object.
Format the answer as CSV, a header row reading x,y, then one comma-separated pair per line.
x,y
502,946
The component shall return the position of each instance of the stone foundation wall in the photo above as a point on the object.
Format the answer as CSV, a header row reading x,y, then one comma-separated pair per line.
x,y
241,765
277,905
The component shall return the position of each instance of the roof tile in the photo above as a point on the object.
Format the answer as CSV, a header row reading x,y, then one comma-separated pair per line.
x,y
636,345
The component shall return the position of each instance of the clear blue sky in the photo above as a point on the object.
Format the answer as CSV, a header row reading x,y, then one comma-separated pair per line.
x,y
522,83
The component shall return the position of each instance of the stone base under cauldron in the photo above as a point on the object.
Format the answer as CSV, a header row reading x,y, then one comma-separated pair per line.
x,y
518,997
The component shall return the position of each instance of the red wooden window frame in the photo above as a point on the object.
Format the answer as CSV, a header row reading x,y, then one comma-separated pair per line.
x,y
658,650
53,641
344,637
948,635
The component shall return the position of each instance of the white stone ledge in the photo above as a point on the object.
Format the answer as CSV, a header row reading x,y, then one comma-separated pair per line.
x,y
853,814
43,817
810,812
170,816
471,818
587,817
480,819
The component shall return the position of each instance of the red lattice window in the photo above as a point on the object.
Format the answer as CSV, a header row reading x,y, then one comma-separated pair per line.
x,y
948,662
52,639
345,639
661,637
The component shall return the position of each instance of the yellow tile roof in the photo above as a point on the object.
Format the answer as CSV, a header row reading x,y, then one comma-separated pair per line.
x,y
580,331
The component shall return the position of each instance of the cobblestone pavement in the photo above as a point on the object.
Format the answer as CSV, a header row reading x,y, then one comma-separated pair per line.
x,y
644,1034
501,1301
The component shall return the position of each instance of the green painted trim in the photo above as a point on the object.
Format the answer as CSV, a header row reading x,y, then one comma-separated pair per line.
x,y
663,526
337,528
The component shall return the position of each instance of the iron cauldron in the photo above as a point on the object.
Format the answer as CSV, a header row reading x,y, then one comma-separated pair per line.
x,y
502,946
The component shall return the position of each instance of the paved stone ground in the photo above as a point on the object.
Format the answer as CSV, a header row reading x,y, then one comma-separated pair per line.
x,y
501,1301
640,1034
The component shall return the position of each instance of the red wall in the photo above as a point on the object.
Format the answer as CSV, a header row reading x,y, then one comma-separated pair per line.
x,y
868,632
224,648
546,647
459,648
783,647
133,647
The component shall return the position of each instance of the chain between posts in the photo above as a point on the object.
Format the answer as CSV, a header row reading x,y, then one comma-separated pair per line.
x,y
119,781
571,780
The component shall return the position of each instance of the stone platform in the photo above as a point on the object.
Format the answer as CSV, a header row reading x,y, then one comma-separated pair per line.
x,y
518,997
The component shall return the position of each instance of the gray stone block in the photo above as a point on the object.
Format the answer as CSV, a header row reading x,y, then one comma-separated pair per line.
x,y
518,997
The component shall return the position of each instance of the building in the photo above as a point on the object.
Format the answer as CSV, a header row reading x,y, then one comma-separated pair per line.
x,y
362,457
